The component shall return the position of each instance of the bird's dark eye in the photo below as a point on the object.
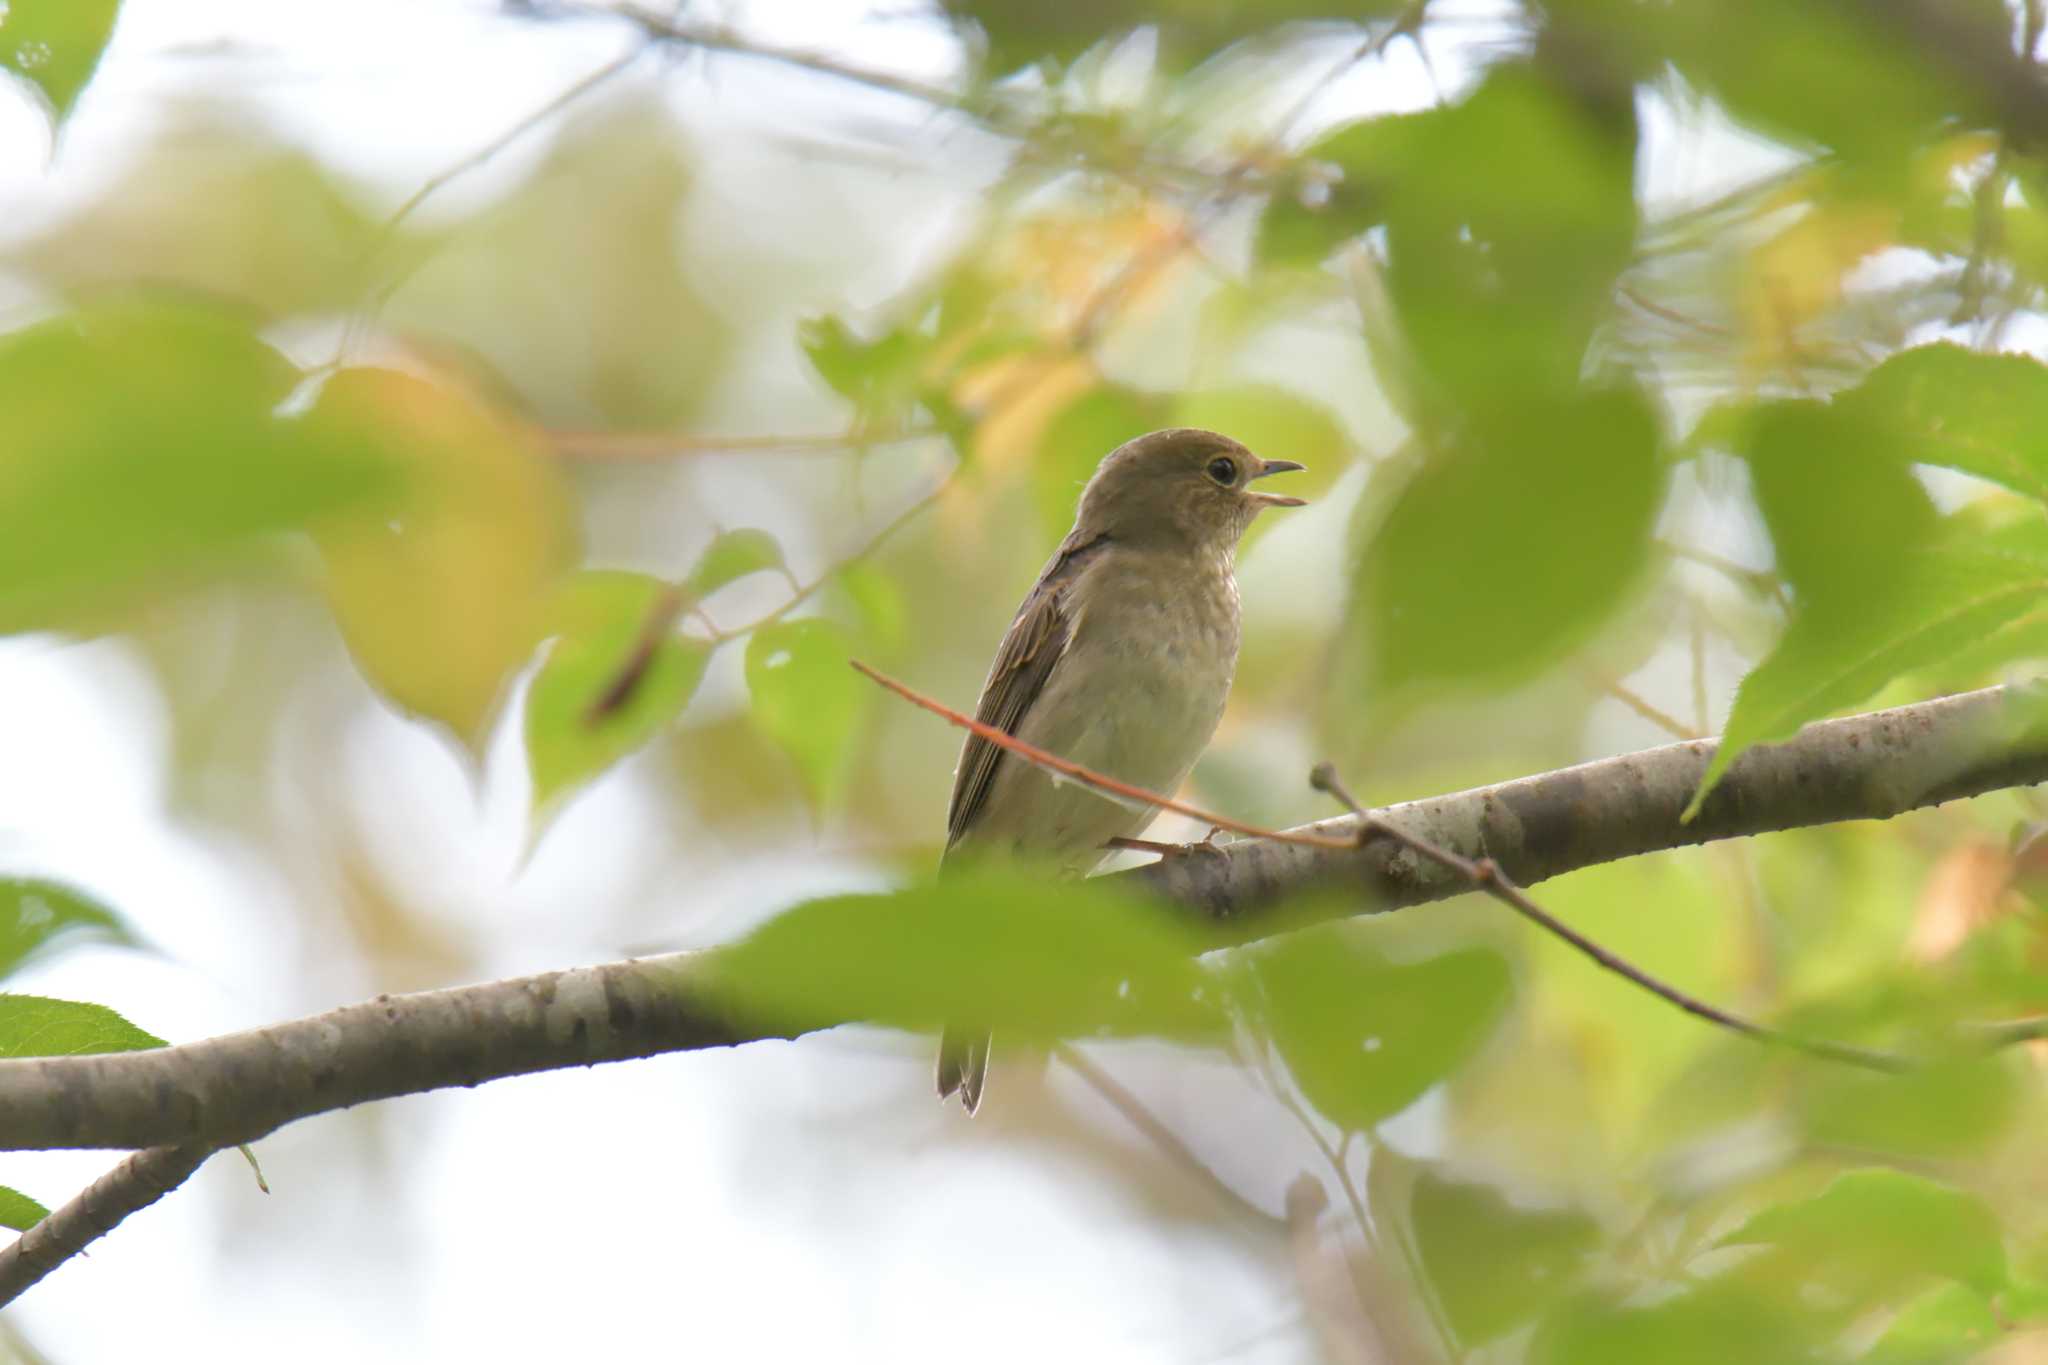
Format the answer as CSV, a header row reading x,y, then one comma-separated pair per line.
x,y
1223,469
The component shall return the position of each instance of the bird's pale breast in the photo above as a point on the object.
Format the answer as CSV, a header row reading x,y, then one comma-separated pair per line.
x,y
1137,695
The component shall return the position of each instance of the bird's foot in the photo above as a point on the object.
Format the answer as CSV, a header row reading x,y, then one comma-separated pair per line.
x,y
1205,847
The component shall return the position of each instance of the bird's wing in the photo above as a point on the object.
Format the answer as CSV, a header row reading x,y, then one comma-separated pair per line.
x,y
1039,635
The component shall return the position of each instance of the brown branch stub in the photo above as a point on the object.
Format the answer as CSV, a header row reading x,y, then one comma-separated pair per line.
x,y
135,1184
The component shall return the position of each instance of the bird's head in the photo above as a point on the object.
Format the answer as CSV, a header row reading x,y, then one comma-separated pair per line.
x,y
1183,488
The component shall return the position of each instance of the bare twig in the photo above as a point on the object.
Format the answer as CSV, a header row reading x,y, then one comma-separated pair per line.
x,y
662,445
1486,876
1164,1138
1122,792
135,1184
1642,706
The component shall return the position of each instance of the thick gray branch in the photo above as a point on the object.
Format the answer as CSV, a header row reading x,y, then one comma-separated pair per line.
x,y
238,1087
1868,767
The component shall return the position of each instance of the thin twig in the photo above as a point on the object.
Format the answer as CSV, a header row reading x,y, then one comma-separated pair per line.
x,y
1643,707
1486,875
808,590
1123,792
661,445
1164,1138
135,1184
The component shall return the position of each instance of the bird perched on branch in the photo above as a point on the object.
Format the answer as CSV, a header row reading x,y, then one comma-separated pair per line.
x,y
1119,659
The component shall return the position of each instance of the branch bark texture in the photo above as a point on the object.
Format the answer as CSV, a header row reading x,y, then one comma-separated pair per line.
x,y
240,1086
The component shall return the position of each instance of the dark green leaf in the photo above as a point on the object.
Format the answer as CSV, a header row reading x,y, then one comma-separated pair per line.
x,y
1491,1265
140,444
1508,547
36,915
1983,414
807,699
1025,955
18,1211
733,555
1365,1037
36,1026
1871,1231
1967,596
611,680
55,45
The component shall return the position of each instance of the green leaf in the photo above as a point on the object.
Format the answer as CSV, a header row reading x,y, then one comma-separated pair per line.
x,y
1839,496
733,555
879,377
37,1026
1026,955
1983,414
1346,188
35,915
1715,1323
54,46
1940,1108
806,699
609,682
1944,1326
141,445
18,1211
1364,1036
1872,1231
1491,1265
1968,597
1014,34
1466,581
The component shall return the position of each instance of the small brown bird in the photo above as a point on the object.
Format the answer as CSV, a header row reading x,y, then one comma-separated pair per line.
x,y
1120,659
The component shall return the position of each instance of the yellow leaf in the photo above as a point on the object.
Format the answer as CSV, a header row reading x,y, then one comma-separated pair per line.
x,y
440,599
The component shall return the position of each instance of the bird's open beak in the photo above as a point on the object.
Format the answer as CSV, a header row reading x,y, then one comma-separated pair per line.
x,y
1277,499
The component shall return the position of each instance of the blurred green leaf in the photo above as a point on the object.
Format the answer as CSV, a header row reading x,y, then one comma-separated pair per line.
x,y
1491,1265
1363,1036
1944,1326
1023,954
877,602
1507,548
1714,1323
442,599
610,681
36,915
1345,188
1967,595
54,46
732,555
1075,441
878,377
1839,496
1983,414
141,444
1937,1109
18,1211
1873,1231
37,1026
806,698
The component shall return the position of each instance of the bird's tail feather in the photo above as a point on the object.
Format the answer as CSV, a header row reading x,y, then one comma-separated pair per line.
x,y
963,1065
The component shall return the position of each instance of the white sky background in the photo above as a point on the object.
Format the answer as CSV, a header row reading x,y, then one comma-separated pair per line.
x,y
719,1205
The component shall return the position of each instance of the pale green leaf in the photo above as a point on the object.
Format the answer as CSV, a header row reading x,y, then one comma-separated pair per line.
x,y
35,915
1028,956
37,1026
1879,1228
1983,414
807,699
733,555
54,46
